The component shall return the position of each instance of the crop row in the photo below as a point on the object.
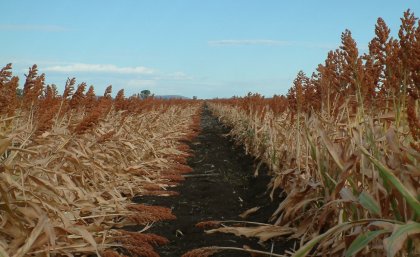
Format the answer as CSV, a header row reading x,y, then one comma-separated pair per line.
x,y
70,165
344,146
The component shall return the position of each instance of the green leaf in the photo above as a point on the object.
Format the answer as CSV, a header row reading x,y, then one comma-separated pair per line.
x,y
396,241
367,201
305,249
388,175
361,241
336,230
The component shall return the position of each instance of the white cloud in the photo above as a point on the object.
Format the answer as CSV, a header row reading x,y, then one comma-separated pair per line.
x,y
238,42
28,27
102,68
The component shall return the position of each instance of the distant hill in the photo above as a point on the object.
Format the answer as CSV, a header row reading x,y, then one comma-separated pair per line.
x,y
171,97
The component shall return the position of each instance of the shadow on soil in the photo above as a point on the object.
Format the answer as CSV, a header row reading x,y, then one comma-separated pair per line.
x,y
220,187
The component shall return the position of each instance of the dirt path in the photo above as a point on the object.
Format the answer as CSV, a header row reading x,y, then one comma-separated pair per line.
x,y
220,187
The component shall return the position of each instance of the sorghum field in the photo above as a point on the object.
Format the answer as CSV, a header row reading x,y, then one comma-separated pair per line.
x,y
330,169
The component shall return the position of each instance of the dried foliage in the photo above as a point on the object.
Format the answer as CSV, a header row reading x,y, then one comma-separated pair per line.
x,y
344,146
70,164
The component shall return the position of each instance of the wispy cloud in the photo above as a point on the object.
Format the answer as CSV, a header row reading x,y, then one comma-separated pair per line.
x,y
29,27
99,68
269,42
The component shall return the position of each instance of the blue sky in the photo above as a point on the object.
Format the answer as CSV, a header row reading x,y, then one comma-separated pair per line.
x,y
203,48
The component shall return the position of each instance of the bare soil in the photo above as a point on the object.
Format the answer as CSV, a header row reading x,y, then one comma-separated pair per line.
x,y
220,187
